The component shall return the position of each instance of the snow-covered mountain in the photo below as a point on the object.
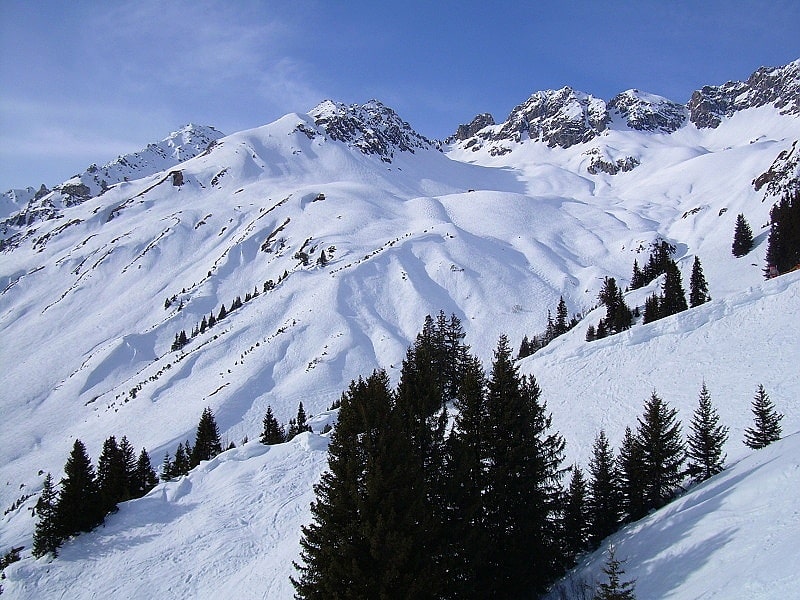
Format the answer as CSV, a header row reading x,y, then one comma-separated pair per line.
x,y
494,227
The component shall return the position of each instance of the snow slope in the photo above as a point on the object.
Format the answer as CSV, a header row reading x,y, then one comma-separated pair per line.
x,y
231,527
85,332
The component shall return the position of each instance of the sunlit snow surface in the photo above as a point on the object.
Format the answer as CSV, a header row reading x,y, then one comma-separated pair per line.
x,y
82,322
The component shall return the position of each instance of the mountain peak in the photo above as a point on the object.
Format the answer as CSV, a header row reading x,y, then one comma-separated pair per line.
x,y
648,112
779,86
372,128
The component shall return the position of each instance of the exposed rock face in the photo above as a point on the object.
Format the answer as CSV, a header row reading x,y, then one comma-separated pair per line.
x,y
648,112
464,132
783,175
45,204
779,86
372,128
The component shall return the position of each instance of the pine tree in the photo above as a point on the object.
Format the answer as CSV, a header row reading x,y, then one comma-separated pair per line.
x,y
706,439
523,476
46,535
167,468
614,588
182,464
591,334
660,253
783,243
603,504
272,432
766,422
144,476
112,478
673,298
207,442
637,277
562,317
576,517
661,449
652,309
742,237
336,556
468,458
222,313
78,506
301,423
698,288
632,478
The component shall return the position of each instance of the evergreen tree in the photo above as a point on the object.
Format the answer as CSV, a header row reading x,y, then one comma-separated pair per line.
x,y
562,317
291,429
222,313
652,309
766,422
698,288
706,439
603,504
783,243
661,449
632,478
301,423
212,320
618,315
203,325
78,506
602,331
46,535
272,432
742,237
112,478
207,442
524,348
144,476
660,253
576,521
591,335
167,468
614,588
523,476
637,277
336,556
468,539
182,464
673,298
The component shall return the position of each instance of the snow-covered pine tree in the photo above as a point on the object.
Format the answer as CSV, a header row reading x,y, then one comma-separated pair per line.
x,y
632,481
673,298
615,588
706,439
144,476
766,422
576,535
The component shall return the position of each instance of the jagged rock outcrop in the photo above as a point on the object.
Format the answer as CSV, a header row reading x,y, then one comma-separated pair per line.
x,y
29,206
647,112
783,174
372,128
779,86
464,132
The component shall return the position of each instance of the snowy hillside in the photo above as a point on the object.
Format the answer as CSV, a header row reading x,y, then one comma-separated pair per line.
x,y
341,228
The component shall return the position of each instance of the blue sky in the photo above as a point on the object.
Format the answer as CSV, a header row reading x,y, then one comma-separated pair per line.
x,y
82,82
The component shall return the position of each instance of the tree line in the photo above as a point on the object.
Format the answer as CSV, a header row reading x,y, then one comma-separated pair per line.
x,y
413,505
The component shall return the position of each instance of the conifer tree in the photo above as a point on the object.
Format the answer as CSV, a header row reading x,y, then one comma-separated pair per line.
x,y
615,588
167,468
766,422
673,298
182,463
272,432
662,451
698,287
212,320
604,498
46,535
576,517
291,429
523,476
301,422
652,309
78,506
706,440
112,479
637,277
742,237
632,478
222,313
783,243
144,476
591,334
207,443
562,317
468,539
336,556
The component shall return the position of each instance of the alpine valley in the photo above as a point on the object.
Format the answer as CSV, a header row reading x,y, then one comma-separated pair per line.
x,y
338,231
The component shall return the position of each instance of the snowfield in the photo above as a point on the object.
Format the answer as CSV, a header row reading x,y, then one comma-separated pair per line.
x,y
86,330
